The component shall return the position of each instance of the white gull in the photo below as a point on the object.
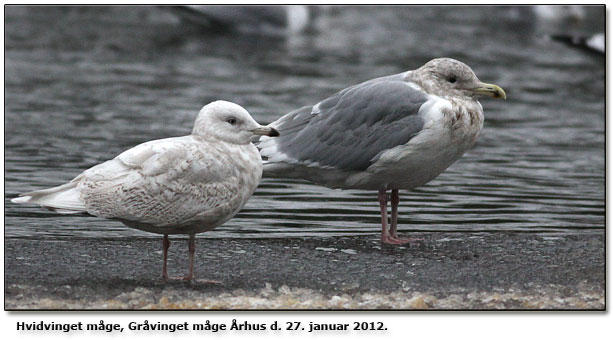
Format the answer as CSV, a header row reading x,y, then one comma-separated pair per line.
x,y
182,185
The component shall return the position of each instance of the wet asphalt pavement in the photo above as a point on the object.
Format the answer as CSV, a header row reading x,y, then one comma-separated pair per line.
x,y
444,271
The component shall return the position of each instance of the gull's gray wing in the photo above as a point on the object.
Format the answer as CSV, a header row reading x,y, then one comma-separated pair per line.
x,y
350,129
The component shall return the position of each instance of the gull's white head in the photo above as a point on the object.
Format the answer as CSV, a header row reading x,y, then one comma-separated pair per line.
x,y
448,77
229,122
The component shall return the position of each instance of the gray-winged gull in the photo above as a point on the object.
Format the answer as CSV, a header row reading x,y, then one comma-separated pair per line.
x,y
389,133
182,185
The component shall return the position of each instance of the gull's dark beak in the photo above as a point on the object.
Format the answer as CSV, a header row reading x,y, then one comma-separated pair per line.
x,y
490,90
266,131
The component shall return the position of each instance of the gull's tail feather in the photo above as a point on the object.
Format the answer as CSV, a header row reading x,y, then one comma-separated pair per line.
x,y
291,124
64,199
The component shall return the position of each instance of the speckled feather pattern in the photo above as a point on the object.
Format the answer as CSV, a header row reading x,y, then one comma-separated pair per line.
x,y
180,185
176,185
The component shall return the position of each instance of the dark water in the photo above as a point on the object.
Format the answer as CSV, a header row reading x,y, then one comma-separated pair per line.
x,y
84,84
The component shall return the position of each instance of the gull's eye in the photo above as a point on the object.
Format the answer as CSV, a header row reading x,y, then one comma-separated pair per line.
x,y
452,79
231,121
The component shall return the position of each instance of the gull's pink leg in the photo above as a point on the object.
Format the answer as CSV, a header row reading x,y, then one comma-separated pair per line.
x,y
395,200
165,246
192,250
385,236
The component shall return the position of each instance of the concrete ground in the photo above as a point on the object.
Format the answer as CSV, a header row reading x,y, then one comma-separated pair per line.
x,y
444,271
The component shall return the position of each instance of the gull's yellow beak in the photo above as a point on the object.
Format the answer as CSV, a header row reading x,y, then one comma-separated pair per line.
x,y
490,90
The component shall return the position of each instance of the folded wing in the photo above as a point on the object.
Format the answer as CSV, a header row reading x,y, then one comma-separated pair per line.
x,y
350,129
162,182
